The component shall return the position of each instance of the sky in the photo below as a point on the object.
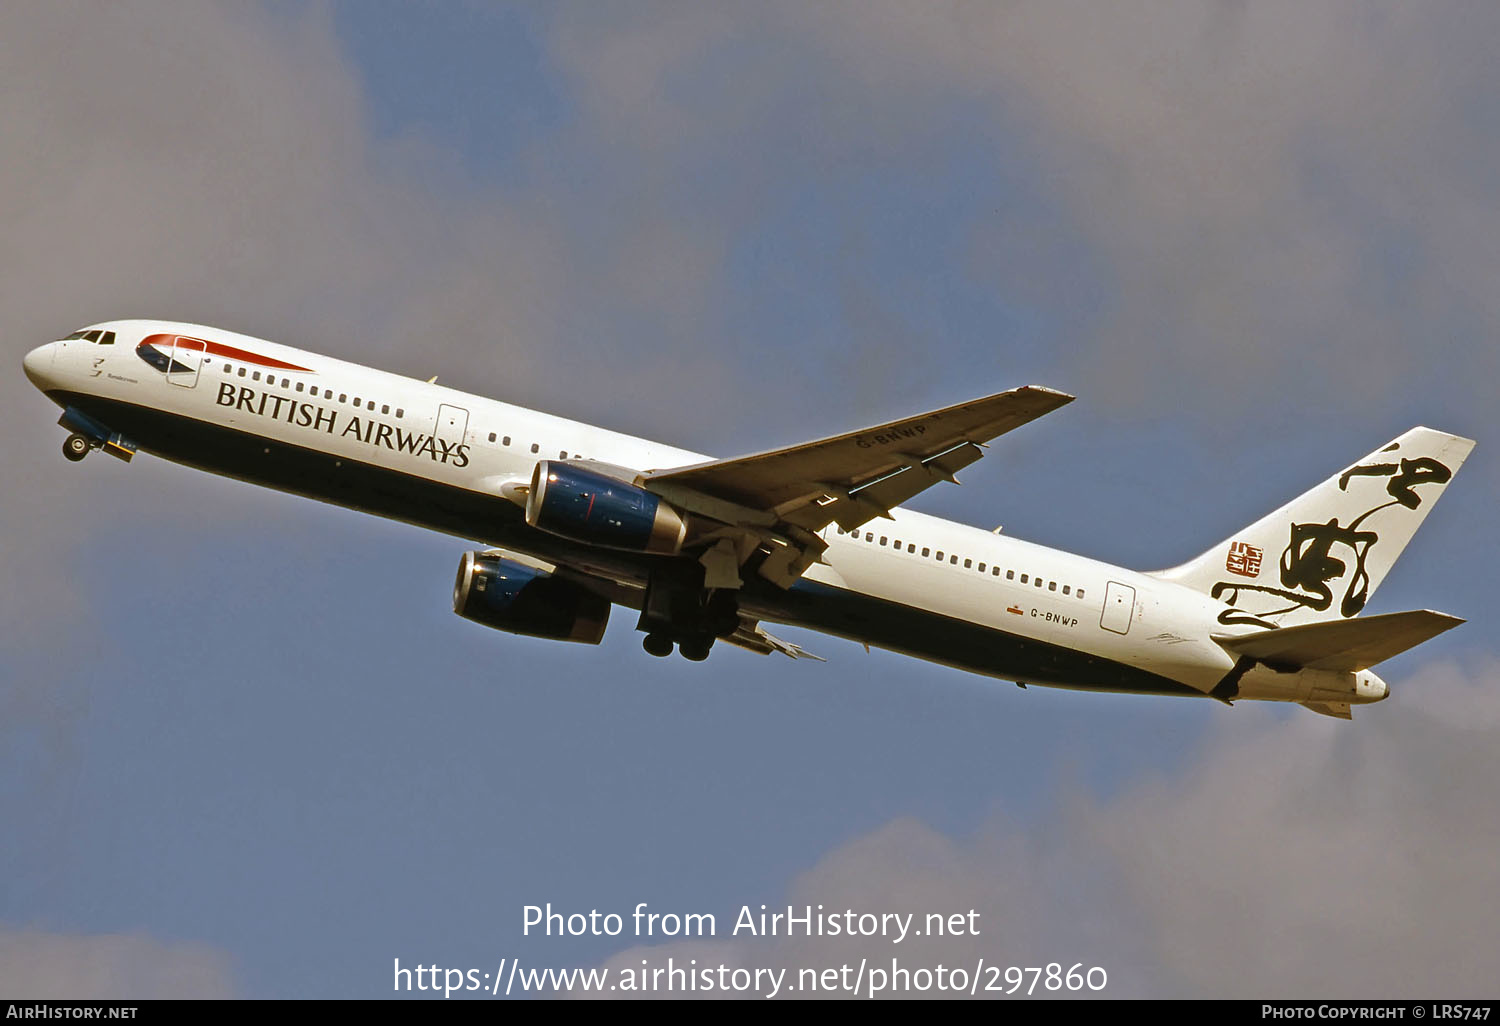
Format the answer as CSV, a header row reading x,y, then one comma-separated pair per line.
x,y
246,748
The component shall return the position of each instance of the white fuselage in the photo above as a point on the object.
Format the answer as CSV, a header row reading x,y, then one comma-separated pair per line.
x,y
357,427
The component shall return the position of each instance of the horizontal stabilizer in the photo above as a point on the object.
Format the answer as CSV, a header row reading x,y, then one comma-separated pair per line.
x,y
1349,645
1338,710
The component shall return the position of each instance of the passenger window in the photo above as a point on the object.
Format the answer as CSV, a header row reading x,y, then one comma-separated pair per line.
x,y
357,403
505,440
1065,589
535,447
953,560
228,369
1010,575
1025,578
343,397
1080,593
1037,582
400,413
256,376
940,555
286,382
1051,585
562,455
995,571
896,543
242,372
968,564
327,393
981,568
911,547
884,539
926,552
299,386
492,436
385,410
869,536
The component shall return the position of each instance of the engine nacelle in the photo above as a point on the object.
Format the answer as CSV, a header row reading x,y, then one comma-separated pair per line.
x,y
587,506
509,596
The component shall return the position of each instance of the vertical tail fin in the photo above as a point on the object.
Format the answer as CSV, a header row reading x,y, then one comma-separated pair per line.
x,y
1322,555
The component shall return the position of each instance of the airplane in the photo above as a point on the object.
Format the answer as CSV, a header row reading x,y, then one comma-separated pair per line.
x,y
577,519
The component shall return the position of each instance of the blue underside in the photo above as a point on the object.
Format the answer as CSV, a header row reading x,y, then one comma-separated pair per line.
x,y
495,521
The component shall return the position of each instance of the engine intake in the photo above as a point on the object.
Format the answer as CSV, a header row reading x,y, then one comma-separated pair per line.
x,y
512,597
586,506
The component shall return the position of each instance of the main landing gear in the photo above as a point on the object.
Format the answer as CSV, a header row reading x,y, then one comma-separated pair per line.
x,y
76,447
695,649
679,611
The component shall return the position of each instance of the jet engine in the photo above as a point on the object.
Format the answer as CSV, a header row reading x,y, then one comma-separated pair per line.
x,y
510,596
586,506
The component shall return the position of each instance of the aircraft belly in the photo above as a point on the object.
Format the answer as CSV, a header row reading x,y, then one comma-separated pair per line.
x,y
1017,626
956,629
952,641
328,477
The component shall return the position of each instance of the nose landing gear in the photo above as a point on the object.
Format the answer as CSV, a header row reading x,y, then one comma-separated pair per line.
x,y
76,447
88,433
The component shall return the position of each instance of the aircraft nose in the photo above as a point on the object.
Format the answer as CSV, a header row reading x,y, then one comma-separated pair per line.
x,y
38,363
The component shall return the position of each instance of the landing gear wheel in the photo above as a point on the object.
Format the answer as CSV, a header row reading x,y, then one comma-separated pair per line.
x,y
658,645
695,651
76,447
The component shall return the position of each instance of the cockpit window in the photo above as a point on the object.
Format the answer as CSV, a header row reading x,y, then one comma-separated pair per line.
x,y
104,338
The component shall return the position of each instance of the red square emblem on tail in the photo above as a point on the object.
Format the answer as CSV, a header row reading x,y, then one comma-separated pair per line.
x,y
1244,559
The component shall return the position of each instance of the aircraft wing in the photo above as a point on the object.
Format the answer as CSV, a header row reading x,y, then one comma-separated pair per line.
x,y
778,501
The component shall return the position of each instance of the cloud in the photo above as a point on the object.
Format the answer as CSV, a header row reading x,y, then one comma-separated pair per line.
x,y
43,966
1267,208
1293,858
1269,185
1303,859
1275,205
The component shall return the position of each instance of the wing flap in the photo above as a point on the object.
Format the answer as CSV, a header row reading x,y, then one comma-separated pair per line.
x,y
1338,710
1354,644
850,508
845,463
755,638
